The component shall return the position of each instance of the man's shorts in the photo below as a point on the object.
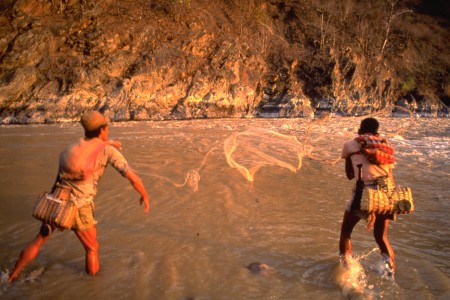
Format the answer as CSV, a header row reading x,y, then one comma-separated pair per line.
x,y
359,213
84,218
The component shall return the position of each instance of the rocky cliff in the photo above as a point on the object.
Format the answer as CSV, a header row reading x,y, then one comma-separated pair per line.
x,y
178,59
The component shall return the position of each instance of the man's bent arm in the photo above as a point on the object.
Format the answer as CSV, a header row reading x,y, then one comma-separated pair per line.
x,y
138,185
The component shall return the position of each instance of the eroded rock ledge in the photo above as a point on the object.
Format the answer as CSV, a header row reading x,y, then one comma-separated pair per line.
x,y
162,60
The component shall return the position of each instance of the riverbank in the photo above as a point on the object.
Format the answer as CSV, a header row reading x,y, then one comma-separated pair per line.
x,y
271,115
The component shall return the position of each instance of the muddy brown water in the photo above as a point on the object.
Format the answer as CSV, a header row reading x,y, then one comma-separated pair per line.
x,y
225,194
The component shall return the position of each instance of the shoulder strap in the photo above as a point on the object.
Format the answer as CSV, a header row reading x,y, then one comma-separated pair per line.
x,y
58,178
353,153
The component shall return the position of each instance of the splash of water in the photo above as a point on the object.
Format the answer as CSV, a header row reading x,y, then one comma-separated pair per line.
x,y
35,274
351,278
4,277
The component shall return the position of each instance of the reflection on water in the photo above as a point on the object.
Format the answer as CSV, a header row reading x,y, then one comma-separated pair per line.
x,y
225,194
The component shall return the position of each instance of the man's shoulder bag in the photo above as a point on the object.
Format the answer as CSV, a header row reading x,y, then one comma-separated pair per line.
x,y
387,198
56,208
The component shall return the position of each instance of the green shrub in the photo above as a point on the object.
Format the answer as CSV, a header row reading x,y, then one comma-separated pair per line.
x,y
409,85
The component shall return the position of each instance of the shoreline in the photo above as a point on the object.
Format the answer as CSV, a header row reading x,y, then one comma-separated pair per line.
x,y
32,122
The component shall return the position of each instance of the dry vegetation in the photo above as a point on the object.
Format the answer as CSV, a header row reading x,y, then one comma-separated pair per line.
x,y
147,59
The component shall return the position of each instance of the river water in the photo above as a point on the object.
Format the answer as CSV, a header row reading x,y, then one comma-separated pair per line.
x,y
224,194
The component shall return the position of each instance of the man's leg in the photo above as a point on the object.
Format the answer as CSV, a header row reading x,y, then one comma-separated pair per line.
x,y
89,240
31,251
381,237
345,243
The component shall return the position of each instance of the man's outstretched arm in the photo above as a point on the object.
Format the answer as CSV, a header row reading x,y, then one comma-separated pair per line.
x,y
138,185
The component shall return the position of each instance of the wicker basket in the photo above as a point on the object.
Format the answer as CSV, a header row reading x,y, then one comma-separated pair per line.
x,y
380,201
55,209
385,183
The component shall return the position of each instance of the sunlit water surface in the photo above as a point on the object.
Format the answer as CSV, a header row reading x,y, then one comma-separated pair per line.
x,y
224,194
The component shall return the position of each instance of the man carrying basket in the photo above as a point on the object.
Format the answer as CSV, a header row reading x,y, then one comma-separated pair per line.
x,y
356,161
80,167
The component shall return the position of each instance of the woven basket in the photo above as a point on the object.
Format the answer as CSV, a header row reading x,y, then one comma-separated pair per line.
x,y
379,201
385,183
57,212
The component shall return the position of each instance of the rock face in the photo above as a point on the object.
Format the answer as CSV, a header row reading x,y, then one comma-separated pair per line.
x,y
178,59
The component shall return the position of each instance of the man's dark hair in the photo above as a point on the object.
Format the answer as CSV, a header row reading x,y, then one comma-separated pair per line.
x,y
369,125
93,133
